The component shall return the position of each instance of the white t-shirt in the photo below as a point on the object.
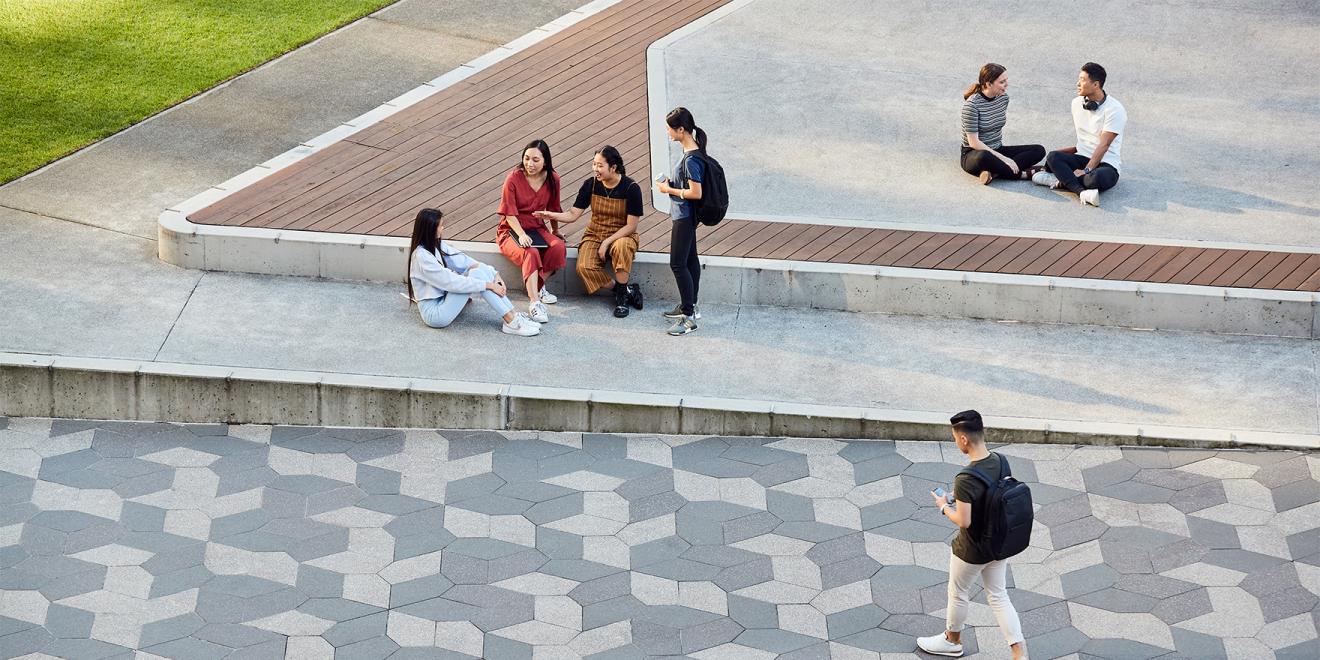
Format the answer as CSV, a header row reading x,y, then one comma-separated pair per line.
x,y
1109,117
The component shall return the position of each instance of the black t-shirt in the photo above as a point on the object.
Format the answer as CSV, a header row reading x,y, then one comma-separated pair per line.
x,y
626,189
967,488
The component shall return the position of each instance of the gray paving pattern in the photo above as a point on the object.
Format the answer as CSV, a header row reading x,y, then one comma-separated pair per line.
x,y
185,541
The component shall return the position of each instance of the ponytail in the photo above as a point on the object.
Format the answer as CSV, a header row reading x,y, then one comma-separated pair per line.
x,y
681,117
989,73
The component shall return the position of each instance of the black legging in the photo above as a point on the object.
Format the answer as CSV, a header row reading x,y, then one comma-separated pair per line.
x,y
975,161
1062,164
683,261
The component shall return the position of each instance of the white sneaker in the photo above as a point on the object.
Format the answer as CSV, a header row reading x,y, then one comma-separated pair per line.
x,y
521,326
939,645
1043,178
538,312
1090,196
546,297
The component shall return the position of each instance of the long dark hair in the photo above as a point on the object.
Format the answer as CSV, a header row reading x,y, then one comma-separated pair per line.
x,y
544,148
989,73
681,117
612,158
426,235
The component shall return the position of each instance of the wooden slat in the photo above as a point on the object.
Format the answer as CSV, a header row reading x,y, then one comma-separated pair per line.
x,y
454,149
1260,270
873,253
991,251
920,252
1189,272
1094,259
1018,248
1115,259
1217,268
1049,258
1294,280
953,261
1284,269
1179,261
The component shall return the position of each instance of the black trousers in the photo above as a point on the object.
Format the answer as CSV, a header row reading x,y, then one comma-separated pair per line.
x,y
975,161
1061,164
683,261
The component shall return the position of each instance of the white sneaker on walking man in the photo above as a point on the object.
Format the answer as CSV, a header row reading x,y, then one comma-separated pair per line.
x,y
967,559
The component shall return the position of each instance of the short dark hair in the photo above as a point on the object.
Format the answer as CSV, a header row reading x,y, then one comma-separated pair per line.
x,y
1095,72
968,421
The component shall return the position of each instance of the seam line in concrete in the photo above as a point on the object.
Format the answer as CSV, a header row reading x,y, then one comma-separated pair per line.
x,y
465,37
74,221
156,356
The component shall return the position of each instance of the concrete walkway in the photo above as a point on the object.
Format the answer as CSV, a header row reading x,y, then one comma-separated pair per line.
x,y
205,541
851,112
122,303
80,278
122,183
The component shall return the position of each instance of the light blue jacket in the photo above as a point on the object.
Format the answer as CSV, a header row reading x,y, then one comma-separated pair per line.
x,y
432,278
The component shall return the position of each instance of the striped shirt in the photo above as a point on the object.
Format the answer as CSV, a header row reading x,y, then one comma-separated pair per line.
x,y
985,117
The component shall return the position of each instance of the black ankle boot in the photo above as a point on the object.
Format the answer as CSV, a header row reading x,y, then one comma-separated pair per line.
x,y
620,301
635,295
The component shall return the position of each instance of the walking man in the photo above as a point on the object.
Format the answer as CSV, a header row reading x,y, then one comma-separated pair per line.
x,y
1099,119
973,552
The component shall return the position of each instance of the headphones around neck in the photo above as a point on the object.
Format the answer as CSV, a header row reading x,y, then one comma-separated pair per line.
x,y
1095,105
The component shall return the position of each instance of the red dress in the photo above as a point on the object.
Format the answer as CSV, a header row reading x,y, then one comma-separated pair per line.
x,y
520,199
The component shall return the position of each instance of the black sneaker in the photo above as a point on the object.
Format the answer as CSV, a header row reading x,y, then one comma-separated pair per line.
x,y
635,296
620,302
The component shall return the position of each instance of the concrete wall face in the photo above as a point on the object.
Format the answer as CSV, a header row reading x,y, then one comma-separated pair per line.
x,y
123,389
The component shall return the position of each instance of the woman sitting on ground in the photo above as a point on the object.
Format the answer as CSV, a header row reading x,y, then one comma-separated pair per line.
x,y
441,280
984,113
609,244
522,237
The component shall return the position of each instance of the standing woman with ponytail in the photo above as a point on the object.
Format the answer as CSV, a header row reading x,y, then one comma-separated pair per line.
x,y
984,113
684,190
521,236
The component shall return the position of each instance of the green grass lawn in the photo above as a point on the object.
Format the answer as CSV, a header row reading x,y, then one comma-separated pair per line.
x,y
74,71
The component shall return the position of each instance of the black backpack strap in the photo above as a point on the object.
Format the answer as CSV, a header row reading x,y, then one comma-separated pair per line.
x,y
1004,469
975,472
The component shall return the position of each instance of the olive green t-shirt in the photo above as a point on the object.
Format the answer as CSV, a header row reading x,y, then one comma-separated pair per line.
x,y
967,488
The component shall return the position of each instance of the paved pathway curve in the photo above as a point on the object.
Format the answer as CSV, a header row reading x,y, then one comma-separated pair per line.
x,y
240,541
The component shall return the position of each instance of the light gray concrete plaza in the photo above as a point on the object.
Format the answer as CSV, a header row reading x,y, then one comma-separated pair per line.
x,y
850,110
749,352
205,541
152,540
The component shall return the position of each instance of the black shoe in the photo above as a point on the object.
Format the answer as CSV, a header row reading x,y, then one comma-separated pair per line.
x,y
635,296
620,302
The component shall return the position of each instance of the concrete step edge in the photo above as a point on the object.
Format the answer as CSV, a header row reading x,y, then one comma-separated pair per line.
x,y
746,281
34,385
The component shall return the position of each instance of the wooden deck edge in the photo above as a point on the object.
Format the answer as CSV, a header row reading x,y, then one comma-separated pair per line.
x,y
818,285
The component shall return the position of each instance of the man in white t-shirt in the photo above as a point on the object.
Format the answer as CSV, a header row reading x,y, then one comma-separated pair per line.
x,y
1092,165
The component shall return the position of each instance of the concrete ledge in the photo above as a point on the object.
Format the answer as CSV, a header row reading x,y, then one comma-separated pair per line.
x,y
97,388
740,281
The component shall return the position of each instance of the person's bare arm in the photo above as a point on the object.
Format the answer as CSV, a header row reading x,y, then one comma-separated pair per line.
x,y
1106,139
566,217
974,141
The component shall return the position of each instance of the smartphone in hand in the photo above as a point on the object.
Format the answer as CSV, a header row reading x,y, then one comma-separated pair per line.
x,y
939,492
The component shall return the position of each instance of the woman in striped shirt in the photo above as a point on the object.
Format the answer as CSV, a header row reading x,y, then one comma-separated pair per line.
x,y
984,113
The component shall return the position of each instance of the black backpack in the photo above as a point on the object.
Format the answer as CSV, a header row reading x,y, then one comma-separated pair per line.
x,y
714,191
1006,517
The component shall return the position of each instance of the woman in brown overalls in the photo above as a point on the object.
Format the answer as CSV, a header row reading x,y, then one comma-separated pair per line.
x,y
609,244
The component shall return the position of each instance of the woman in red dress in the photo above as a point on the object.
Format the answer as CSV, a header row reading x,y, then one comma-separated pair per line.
x,y
522,237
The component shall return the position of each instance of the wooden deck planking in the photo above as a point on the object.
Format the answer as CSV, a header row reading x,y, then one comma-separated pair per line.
x,y
453,150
